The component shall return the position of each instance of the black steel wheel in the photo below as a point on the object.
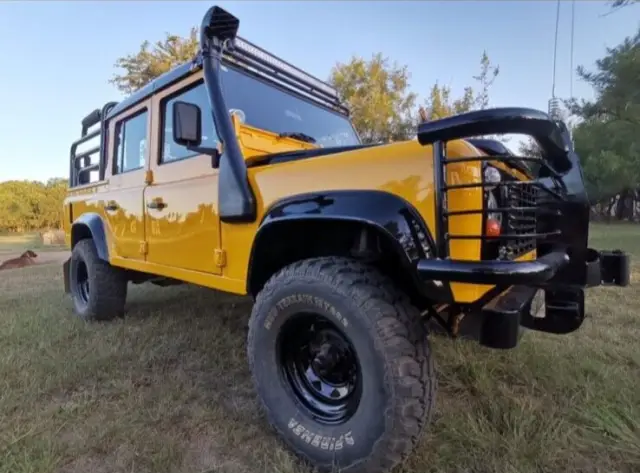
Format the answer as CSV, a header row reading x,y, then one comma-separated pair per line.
x,y
82,283
321,367
98,290
341,364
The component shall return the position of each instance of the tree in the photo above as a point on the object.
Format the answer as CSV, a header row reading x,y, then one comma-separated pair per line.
x,y
440,104
150,62
377,93
488,74
29,205
608,134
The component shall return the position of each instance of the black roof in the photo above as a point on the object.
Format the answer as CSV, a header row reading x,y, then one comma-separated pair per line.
x,y
250,58
166,79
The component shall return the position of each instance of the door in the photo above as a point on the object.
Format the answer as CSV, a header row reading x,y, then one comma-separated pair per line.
x,y
127,161
182,224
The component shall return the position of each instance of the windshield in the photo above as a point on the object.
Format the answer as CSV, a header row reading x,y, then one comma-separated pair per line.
x,y
269,108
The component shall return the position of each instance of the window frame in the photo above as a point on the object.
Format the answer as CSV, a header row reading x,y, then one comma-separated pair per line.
x,y
116,142
161,119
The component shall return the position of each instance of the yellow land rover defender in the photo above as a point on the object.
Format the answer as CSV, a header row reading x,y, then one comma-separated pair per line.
x,y
242,173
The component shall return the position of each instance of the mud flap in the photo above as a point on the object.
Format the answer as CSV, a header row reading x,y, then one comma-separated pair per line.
x,y
65,275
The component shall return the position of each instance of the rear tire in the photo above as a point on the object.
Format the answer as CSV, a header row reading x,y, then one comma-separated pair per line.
x,y
98,290
367,422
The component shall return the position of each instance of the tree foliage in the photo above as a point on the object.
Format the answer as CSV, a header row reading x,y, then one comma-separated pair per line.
x,y
152,61
441,104
378,95
608,135
29,205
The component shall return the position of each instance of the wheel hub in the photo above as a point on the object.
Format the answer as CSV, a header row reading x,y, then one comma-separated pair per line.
x,y
320,365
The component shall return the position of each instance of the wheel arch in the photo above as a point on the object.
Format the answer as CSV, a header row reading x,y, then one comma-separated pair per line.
x,y
351,223
91,225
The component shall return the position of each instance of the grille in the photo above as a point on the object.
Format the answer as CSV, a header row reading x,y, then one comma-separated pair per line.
x,y
519,221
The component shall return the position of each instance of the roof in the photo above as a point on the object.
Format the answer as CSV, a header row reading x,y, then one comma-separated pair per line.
x,y
159,83
250,58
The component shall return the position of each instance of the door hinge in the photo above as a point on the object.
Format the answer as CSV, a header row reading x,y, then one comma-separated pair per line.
x,y
220,258
148,177
144,248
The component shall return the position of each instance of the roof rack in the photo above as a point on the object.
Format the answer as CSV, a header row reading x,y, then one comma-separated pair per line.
x,y
81,164
256,61
249,56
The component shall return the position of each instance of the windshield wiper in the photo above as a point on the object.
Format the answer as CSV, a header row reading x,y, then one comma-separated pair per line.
x,y
297,136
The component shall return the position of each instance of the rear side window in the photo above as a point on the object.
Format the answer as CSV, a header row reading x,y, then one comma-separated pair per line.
x,y
172,151
131,143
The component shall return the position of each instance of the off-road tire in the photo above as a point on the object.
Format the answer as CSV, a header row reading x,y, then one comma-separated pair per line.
x,y
107,285
393,351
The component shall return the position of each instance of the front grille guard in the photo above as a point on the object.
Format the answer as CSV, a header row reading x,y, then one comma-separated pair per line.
x,y
554,163
512,237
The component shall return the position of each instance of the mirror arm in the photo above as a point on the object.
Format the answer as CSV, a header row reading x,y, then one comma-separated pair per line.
x,y
213,152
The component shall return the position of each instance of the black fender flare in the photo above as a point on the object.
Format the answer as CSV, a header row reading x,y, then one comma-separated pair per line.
x,y
390,214
91,225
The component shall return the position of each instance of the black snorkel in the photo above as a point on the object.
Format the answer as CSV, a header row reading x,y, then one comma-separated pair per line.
x,y
235,196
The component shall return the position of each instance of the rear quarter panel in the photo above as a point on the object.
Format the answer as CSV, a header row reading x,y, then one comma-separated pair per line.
x,y
81,200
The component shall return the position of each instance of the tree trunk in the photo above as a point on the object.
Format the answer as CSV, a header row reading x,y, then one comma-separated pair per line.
x,y
612,201
622,209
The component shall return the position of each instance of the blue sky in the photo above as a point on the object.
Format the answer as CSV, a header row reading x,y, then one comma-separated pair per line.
x,y
56,57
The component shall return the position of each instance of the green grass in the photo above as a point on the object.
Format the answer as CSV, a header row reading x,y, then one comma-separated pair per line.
x,y
168,388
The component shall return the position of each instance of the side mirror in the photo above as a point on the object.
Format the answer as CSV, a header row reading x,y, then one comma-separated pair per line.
x,y
187,130
187,124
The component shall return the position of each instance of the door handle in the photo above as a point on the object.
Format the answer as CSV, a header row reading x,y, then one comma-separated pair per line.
x,y
111,206
156,204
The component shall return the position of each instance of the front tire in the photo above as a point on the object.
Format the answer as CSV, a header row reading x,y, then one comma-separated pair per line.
x,y
342,365
98,290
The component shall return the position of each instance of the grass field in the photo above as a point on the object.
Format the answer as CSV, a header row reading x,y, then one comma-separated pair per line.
x,y
168,388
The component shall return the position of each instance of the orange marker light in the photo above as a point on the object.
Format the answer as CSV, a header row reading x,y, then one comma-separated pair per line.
x,y
493,227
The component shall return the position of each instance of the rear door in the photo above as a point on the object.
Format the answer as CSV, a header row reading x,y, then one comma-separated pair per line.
x,y
182,223
128,162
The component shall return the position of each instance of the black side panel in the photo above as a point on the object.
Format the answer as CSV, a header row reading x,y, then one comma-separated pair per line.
x,y
391,215
90,225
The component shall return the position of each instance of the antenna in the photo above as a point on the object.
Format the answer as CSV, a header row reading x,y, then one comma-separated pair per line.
x,y
573,24
555,51
554,103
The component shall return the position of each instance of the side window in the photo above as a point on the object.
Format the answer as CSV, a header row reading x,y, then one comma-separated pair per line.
x,y
131,143
172,151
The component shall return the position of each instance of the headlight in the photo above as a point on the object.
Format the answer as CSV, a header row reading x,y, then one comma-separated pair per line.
x,y
491,176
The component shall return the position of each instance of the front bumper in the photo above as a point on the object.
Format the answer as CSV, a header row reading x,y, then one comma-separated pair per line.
x,y
502,318
600,268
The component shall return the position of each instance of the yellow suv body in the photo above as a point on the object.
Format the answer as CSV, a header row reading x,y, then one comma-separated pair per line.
x,y
242,173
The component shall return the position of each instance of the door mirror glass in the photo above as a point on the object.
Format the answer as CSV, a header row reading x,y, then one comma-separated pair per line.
x,y
187,124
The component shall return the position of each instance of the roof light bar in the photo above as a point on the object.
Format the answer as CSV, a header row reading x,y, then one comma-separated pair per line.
x,y
245,47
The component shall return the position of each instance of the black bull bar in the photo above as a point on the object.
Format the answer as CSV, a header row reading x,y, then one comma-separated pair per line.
x,y
565,265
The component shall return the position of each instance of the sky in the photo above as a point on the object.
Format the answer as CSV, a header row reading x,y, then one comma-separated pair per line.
x,y
56,58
